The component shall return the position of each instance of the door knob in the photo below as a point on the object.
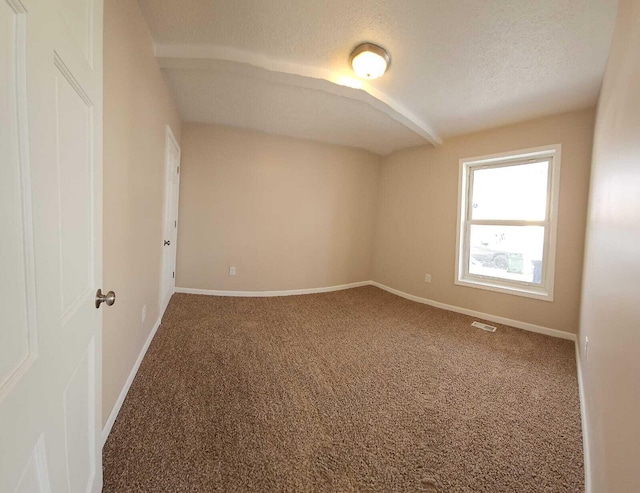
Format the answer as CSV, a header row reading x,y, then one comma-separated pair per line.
x,y
109,298
167,242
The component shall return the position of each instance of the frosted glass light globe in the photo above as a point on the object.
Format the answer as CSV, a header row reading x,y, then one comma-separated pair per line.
x,y
369,61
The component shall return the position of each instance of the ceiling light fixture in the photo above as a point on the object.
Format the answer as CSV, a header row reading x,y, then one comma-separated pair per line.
x,y
369,61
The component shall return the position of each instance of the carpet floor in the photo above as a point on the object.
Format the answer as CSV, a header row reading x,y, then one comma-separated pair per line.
x,y
355,390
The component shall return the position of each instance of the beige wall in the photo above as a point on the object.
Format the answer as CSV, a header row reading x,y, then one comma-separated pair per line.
x,y
417,217
611,291
287,213
137,106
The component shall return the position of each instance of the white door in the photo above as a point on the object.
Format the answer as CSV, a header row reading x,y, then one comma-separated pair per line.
x,y
50,253
171,190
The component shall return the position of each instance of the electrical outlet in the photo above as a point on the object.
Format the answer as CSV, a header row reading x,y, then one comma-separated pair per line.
x,y
144,313
232,271
427,278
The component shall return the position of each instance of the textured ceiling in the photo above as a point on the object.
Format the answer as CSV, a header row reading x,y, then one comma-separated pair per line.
x,y
457,65
248,101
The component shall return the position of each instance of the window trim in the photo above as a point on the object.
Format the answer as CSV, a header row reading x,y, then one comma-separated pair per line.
x,y
544,291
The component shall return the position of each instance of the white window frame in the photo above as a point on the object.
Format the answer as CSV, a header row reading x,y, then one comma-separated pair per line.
x,y
543,291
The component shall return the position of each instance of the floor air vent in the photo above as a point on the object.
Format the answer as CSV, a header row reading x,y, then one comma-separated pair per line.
x,y
480,325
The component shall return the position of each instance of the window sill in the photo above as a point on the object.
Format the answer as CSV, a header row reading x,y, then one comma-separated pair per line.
x,y
538,293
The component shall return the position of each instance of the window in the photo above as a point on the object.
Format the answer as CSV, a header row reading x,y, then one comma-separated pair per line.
x,y
507,222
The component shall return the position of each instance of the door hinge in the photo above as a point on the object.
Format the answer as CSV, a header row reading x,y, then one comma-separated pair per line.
x,y
173,275
175,224
178,169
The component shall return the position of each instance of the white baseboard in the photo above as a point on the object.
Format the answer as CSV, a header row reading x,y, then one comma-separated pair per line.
x,y
259,294
123,394
485,316
473,313
585,424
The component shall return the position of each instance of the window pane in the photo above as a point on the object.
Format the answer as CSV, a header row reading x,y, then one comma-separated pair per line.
x,y
507,252
511,192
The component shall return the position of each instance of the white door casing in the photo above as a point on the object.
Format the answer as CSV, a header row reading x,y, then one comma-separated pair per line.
x,y
170,218
51,254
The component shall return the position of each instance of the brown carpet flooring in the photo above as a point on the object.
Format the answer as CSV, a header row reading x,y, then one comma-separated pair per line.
x,y
355,390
